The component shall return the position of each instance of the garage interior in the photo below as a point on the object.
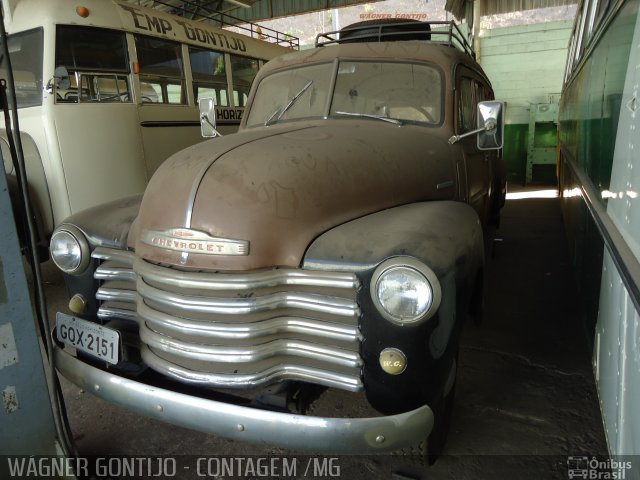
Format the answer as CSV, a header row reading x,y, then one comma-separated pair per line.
x,y
526,400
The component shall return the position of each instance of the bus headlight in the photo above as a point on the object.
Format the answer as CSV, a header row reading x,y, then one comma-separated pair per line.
x,y
69,250
405,291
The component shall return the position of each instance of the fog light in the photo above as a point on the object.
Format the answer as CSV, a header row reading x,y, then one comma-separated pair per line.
x,y
393,361
77,304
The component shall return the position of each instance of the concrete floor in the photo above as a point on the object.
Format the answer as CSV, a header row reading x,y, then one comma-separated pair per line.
x,y
525,394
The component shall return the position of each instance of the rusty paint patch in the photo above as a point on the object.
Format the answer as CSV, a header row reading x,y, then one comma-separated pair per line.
x,y
8,349
10,399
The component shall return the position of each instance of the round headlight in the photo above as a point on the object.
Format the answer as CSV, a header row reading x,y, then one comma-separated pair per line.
x,y
69,250
405,291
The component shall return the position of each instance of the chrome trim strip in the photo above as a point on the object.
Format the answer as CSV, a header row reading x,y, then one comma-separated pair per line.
x,y
248,353
107,312
443,185
230,281
321,435
211,331
107,271
331,266
276,373
244,282
242,306
106,293
121,256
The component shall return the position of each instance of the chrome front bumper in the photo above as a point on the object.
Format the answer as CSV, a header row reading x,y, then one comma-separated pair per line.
x,y
296,432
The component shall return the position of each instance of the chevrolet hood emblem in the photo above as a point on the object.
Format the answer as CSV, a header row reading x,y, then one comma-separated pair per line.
x,y
194,241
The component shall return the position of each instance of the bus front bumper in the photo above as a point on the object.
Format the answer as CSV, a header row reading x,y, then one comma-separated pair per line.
x,y
276,429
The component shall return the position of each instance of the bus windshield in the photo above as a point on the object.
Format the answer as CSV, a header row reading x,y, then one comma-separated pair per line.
x,y
388,90
25,50
106,98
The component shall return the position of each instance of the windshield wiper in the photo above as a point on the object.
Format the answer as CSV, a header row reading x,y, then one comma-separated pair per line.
x,y
395,121
271,120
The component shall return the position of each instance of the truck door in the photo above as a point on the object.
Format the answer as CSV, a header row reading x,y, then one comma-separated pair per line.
x,y
470,90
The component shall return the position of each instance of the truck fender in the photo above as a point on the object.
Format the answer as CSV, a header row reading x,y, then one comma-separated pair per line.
x,y
107,225
445,235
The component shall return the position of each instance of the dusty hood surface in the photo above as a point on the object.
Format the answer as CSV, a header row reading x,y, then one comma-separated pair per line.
x,y
276,189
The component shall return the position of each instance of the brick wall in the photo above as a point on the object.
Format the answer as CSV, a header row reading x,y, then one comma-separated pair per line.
x,y
526,65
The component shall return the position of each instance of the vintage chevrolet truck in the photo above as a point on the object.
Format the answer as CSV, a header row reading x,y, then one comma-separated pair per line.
x,y
337,241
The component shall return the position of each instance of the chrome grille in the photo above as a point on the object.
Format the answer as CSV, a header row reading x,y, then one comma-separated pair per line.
x,y
237,330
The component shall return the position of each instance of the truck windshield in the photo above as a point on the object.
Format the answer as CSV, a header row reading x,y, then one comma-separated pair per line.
x,y
402,91
25,50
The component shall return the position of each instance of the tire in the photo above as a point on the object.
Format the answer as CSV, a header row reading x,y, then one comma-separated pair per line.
x,y
443,413
368,30
476,310
429,449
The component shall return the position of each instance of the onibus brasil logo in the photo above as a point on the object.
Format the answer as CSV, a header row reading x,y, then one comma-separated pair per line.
x,y
593,468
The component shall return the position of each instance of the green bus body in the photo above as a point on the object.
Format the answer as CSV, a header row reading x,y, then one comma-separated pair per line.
x,y
598,199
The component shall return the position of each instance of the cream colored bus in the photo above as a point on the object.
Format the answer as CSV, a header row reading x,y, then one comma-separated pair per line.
x,y
107,90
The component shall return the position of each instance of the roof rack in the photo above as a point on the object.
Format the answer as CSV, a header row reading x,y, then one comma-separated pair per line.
x,y
253,30
439,32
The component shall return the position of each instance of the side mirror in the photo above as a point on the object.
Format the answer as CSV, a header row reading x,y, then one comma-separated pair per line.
x,y
207,107
490,125
60,79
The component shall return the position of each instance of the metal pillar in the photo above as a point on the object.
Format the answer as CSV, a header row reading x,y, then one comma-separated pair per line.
x,y
25,412
477,5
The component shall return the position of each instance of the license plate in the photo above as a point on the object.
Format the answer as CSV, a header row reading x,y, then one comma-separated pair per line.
x,y
89,337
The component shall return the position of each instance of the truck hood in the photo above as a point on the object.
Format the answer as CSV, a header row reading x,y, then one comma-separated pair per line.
x,y
275,189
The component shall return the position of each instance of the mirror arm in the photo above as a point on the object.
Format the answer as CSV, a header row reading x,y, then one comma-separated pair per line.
x,y
205,118
489,125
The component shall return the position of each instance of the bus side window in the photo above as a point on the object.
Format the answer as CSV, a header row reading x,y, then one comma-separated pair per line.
x,y
209,75
97,61
103,88
161,71
243,71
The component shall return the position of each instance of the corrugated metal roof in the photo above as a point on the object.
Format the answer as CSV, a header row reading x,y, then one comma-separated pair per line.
x,y
252,11
492,7
505,6
263,9
256,10
248,12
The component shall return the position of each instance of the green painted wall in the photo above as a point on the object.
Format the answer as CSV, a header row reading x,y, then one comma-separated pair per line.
x,y
526,65
515,149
